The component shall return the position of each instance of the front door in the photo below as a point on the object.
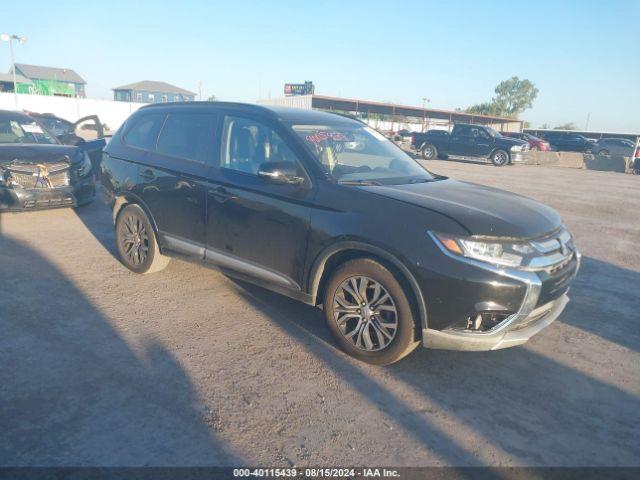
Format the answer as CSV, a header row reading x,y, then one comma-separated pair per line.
x,y
256,227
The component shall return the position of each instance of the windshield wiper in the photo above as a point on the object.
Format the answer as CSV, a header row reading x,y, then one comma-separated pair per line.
x,y
420,180
358,182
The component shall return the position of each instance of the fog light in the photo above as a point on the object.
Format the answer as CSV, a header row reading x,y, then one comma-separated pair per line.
x,y
485,321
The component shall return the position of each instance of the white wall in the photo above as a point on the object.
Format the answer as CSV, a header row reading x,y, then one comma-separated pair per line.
x,y
295,101
110,112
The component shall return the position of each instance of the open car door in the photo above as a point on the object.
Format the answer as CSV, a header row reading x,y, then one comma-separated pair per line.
x,y
88,135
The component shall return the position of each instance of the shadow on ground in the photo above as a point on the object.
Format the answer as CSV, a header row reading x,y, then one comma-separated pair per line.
x,y
538,410
71,387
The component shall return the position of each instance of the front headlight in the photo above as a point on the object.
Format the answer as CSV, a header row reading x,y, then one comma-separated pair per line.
x,y
84,167
505,254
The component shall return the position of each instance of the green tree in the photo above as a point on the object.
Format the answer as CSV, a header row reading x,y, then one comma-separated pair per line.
x,y
486,108
212,98
513,96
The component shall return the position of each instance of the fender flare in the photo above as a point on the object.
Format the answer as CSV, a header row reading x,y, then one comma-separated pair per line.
x,y
317,271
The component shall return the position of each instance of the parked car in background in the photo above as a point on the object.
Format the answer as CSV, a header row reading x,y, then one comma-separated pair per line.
x,y
614,146
326,210
87,131
568,142
535,143
37,171
468,140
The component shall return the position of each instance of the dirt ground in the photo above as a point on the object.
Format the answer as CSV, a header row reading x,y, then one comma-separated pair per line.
x,y
100,366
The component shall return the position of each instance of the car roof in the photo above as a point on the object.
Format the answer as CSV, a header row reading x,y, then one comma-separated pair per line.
x,y
285,114
15,114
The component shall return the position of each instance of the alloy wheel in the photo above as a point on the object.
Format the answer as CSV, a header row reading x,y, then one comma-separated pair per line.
x,y
365,313
134,240
500,158
428,152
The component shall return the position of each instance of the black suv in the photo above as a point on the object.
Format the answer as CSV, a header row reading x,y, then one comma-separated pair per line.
x,y
326,210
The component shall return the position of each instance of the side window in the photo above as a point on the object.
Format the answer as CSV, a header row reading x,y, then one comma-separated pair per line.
x,y
246,144
187,135
462,130
144,131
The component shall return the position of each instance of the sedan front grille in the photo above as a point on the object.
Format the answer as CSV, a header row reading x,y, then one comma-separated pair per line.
x,y
39,176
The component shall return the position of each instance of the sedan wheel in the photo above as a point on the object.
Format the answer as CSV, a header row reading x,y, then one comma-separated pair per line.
x,y
365,313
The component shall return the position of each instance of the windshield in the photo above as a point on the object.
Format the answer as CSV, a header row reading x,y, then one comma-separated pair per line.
x,y
22,129
357,153
492,132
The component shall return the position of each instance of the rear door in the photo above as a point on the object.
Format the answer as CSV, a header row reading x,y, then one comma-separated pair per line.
x,y
256,227
461,141
174,178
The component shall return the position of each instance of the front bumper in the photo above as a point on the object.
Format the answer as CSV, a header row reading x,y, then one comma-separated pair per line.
x,y
519,157
530,300
516,334
80,192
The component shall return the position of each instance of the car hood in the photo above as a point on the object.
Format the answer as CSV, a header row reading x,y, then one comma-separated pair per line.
x,y
482,210
511,141
12,154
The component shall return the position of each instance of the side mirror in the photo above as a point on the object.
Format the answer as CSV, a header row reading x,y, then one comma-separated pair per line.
x,y
280,172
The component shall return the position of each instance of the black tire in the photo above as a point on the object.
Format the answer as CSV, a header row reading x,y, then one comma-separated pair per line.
x,y
137,243
500,158
603,152
636,171
86,203
386,348
429,152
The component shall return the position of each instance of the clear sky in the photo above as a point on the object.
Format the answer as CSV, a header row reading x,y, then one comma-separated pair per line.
x,y
584,56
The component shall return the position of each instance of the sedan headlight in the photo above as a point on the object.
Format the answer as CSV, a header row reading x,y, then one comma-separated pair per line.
x,y
505,254
84,167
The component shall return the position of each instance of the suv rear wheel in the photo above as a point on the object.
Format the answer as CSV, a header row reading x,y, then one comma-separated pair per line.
x,y
368,313
136,241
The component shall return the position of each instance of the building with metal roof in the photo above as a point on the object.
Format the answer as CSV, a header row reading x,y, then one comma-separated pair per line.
x,y
391,116
56,81
149,91
6,82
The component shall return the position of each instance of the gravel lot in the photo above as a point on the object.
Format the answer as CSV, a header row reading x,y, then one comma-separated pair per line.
x,y
188,367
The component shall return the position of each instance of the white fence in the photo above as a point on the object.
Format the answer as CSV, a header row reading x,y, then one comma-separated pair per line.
x,y
113,114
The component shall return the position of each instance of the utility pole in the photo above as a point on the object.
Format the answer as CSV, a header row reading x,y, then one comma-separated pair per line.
x,y
586,125
200,90
424,113
5,37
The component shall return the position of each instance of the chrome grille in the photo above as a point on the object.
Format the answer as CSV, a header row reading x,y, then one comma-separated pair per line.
x,y
54,175
553,252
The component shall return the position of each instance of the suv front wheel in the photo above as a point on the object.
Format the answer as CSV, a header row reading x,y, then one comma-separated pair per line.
x,y
368,313
136,241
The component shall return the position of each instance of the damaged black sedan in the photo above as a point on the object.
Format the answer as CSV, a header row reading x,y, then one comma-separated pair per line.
x,y
37,171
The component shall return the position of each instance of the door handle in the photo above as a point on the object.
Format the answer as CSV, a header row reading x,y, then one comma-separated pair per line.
x,y
222,195
147,174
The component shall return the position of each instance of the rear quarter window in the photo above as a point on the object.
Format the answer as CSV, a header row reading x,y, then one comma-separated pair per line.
x,y
143,131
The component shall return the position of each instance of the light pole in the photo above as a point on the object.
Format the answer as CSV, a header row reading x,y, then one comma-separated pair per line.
x,y
424,112
5,37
